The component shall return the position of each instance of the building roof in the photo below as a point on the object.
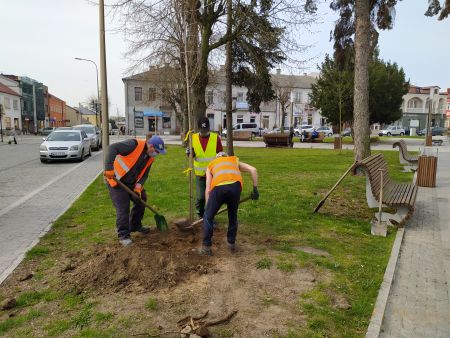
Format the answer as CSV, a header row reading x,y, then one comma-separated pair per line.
x,y
6,90
218,77
84,111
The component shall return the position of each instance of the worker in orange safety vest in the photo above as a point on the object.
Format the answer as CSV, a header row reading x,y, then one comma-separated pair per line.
x,y
223,186
130,161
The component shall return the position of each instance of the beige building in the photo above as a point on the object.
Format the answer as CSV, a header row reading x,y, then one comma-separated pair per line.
x,y
416,104
146,110
73,117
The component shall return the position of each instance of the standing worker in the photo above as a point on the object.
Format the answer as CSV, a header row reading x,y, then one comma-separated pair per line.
x,y
223,186
130,161
205,146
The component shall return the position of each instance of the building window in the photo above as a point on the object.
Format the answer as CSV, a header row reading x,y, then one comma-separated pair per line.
x,y
210,97
16,123
15,104
138,93
298,97
265,121
7,122
240,97
240,118
252,119
6,102
414,103
151,94
166,122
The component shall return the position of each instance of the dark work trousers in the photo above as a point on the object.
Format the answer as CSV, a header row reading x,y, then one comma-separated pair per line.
x,y
200,186
127,222
230,195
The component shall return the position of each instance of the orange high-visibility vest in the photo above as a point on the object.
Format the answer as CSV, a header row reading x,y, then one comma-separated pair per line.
x,y
225,169
123,164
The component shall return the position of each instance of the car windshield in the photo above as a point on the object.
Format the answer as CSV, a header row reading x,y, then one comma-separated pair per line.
x,y
58,136
48,128
87,129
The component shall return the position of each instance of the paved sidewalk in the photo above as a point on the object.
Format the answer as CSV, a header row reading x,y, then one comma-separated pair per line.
x,y
23,222
418,303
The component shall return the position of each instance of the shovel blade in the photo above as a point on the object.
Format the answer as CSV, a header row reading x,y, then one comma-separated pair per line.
x,y
161,223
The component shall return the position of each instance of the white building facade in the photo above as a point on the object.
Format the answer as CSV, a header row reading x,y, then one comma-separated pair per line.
x,y
416,104
145,111
11,104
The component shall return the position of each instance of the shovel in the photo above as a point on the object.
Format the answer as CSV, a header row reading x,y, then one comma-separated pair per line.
x,y
183,223
161,223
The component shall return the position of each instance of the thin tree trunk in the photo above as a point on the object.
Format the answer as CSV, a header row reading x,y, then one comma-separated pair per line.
x,y
361,81
228,84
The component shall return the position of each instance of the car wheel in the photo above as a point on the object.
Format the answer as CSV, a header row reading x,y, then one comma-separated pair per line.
x,y
401,134
330,134
43,160
389,134
81,159
89,153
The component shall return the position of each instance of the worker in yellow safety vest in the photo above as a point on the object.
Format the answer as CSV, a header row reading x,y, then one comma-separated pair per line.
x,y
223,186
205,146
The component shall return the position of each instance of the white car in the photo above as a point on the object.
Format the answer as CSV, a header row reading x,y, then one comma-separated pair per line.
x,y
93,133
65,145
392,130
325,130
306,127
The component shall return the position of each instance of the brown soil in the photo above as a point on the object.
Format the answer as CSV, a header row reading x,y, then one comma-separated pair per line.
x,y
164,266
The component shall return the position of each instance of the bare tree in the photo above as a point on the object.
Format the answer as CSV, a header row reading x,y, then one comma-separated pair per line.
x,y
158,30
283,90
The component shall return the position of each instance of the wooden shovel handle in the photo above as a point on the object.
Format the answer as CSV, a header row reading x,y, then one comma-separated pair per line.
x,y
136,196
220,211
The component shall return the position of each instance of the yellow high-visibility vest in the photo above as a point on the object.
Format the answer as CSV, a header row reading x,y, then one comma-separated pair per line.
x,y
225,170
203,158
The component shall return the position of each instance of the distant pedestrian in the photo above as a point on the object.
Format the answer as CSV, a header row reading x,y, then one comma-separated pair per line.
x,y
13,136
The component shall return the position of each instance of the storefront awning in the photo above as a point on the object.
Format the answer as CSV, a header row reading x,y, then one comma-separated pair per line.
x,y
153,113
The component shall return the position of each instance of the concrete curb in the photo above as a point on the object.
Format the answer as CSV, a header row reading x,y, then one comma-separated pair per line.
x,y
373,331
18,260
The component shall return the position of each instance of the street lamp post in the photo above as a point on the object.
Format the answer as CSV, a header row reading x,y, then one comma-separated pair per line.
x,y
98,91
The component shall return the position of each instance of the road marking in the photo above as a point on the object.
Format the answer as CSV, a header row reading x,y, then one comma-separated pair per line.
x,y
42,187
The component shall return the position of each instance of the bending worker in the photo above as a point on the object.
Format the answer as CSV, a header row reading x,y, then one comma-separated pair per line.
x,y
205,146
130,161
224,185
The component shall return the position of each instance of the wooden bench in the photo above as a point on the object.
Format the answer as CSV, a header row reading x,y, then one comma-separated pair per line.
x,y
399,196
406,158
242,135
318,139
278,140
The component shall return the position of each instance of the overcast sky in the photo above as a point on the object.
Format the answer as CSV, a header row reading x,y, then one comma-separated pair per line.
x,y
41,38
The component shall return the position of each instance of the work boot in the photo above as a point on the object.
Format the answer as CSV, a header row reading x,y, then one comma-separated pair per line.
x,y
204,251
232,247
125,241
144,230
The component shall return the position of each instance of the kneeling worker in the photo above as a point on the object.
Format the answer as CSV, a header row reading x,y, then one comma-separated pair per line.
x,y
130,161
223,186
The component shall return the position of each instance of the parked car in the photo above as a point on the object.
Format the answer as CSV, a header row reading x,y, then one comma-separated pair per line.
x,y
306,127
46,131
63,128
64,145
93,133
253,127
392,130
325,130
435,131
347,132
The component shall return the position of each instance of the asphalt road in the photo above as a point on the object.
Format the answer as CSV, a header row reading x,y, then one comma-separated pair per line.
x,y
33,195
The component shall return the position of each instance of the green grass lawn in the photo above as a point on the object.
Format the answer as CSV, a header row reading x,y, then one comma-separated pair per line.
x,y
291,183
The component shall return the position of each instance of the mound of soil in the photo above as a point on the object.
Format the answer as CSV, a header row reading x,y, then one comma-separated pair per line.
x,y
157,260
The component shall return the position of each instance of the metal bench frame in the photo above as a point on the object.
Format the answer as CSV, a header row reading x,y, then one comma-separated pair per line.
x,y
400,196
410,161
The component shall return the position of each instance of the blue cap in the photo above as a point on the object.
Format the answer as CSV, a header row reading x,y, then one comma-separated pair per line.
x,y
158,143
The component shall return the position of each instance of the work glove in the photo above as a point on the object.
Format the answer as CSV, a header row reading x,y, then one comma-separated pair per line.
x,y
109,174
255,194
138,190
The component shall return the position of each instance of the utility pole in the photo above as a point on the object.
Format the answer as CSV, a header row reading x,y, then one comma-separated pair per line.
x,y
1,119
228,84
104,84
